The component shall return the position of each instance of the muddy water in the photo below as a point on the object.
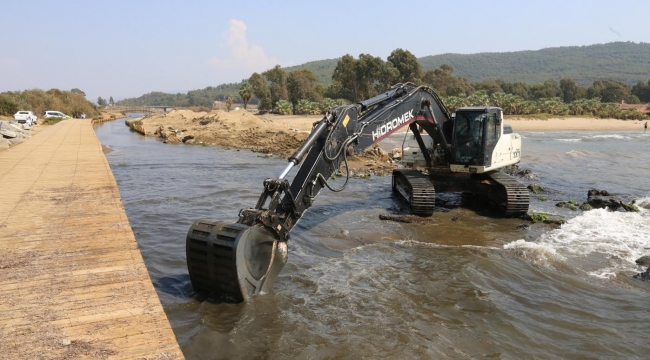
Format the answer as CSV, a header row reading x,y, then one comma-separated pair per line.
x,y
467,284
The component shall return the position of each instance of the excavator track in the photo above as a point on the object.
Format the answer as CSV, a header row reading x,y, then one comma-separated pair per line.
x,y
513,198
232,261
416,189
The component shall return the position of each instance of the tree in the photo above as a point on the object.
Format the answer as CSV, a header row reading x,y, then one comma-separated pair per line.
x,y
301,84
611,91
406,64
345,75
110,101
8,106
443,81
368,70
548,89
642,91
229,103
571,91
245,92
277,80
386,77
101,102
519,89
261,91
489,86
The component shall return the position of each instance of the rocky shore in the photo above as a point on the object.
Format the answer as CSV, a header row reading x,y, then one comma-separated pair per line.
x,y
13,134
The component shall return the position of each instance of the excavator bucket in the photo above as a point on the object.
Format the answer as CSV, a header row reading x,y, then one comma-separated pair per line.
x,y
232,261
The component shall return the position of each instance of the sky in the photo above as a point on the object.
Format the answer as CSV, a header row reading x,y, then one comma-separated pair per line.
x,y
125,49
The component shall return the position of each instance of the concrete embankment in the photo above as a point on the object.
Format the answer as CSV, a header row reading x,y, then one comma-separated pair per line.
x,y
73,283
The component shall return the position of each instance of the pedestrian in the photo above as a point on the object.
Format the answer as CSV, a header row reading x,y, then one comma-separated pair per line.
x,y
83,116
645,127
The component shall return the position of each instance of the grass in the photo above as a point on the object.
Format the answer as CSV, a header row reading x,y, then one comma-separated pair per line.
x,y
52,120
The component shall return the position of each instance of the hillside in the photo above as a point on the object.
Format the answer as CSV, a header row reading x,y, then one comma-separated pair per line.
x,y
622,61
323,69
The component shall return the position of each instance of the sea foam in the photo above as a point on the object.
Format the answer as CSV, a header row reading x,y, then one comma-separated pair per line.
x,y
600,243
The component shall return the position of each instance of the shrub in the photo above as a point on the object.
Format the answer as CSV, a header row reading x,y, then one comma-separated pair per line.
x,y
52,120
283,107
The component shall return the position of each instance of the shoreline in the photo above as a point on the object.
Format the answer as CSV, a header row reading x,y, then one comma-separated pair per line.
x,y
573,124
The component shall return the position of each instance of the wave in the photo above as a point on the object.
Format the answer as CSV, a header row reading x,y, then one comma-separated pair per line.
x,y
578,153
600,243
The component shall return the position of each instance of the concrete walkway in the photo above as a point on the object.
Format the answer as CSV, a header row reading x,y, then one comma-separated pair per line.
x,y
72,280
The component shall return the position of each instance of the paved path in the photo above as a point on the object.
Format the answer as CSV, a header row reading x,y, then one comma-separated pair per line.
x,y
72,280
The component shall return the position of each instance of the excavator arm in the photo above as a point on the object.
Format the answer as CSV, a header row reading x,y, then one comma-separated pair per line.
x,y
236,261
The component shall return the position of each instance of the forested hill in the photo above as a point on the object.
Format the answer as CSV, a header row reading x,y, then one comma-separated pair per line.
x,y
622,61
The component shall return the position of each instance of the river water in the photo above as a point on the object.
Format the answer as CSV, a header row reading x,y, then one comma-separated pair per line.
x,y
467,284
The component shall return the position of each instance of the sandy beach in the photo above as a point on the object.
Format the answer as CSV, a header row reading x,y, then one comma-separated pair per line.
x,y
573,124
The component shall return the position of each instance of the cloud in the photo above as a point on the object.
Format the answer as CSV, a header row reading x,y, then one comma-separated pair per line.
x,y
241,55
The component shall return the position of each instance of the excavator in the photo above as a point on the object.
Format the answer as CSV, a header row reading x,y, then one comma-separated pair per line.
x,y
460,152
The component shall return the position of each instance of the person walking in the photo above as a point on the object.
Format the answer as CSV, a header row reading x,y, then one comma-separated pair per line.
x,y
645,127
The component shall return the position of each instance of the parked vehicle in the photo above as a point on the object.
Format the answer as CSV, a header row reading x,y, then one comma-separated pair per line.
x,y
26,117
52,113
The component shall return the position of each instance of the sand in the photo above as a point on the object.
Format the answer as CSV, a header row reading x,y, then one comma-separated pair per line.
x,y
574,124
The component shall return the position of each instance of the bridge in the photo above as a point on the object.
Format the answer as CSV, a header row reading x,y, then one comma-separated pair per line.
x,y
162,109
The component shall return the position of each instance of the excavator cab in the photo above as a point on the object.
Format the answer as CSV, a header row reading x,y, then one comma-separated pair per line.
x,y
475,134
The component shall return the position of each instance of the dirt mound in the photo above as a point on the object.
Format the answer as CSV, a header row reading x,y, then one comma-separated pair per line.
x,y
278,135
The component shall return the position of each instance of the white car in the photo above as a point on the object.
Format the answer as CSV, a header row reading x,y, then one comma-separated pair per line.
x,y
51,113
25,117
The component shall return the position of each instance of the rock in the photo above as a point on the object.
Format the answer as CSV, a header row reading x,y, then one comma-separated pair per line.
x,y
586,207
594,192
403,218
543,218
8,133
643,260
186,138
644,276
66,342
601,199
4,143
536,188
16,141
554,221
345,232
629,207
523,227
571,205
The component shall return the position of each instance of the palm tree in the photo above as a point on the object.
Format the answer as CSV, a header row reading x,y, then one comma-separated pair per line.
x,y
245,92
283,107
479,98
